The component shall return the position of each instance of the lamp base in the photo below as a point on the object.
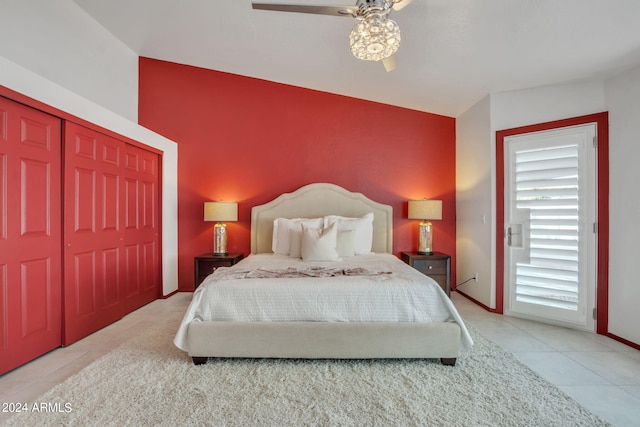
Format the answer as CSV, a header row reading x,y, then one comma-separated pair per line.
x,y
425,240
220,239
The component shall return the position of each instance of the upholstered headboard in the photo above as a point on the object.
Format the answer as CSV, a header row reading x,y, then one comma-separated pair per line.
x,y
317,200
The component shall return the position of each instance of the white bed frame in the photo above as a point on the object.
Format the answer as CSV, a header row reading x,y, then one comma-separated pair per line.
x,y
323,340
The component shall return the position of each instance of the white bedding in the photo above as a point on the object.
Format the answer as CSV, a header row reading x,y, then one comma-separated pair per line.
x,y
398,294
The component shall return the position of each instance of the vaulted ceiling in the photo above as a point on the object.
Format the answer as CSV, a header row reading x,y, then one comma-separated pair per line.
x,y
452,54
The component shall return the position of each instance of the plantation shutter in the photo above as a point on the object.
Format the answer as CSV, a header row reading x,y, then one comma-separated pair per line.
x,y
547,186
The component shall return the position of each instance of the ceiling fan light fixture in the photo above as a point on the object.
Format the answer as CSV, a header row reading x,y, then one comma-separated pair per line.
x,y
375,37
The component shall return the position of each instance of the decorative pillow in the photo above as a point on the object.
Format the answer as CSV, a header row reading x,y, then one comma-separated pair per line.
x,y
345,245
280,243
295,234
319,245
362,228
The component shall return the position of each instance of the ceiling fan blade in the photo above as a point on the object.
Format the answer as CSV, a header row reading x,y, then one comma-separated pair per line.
x,y
389,63
348,11
399,4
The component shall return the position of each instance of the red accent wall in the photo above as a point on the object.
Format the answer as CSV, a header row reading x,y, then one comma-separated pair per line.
x,y
248,140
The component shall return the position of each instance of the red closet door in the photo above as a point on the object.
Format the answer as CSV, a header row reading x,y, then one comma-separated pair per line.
x,y
142,252
93,231
30,239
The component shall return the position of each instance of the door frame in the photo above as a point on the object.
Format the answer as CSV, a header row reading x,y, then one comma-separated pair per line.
x,y
602,249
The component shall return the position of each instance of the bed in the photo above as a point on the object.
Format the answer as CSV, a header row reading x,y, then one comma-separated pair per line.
x,y
363,304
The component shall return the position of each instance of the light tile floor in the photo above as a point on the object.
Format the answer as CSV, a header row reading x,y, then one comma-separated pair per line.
x,y
600,373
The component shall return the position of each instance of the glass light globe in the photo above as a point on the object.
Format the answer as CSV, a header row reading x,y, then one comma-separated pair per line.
x,y
374,38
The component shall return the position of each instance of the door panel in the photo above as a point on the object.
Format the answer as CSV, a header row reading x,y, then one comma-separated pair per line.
x,y
132,268
143,269
30,238
131,208
84,203
94,231
149,257
36,292
84,286
549,209
111,262
149,214
35,209
111,214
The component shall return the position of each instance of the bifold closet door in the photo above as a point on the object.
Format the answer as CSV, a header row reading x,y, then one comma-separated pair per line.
x,y
30,237
111,223
142,253
94,231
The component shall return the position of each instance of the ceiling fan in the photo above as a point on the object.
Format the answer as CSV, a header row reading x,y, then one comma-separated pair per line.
x,y
375,37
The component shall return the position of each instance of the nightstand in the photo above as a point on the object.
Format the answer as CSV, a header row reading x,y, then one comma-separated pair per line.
x,y
206,264
437,266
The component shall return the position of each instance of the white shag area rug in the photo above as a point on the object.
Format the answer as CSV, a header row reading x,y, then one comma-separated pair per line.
x,y
147,381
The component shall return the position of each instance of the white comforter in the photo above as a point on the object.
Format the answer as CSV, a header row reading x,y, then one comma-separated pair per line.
x,y
399,294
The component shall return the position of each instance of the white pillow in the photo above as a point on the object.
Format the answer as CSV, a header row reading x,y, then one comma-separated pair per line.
x,y
280,243
295,233
319,245
280,239
345,244
362,228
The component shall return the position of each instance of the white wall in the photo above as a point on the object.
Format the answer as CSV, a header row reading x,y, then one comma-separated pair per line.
x,y
57,40
475,236
538,105
623,103
90,87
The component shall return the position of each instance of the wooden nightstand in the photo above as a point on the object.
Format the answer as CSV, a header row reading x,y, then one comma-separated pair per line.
x,y
437,266
206,264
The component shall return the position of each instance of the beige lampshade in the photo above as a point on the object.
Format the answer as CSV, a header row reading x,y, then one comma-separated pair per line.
x,y
425,209
220,211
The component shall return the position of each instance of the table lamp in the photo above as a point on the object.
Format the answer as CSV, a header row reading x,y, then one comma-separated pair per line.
x,y
219,212
425,210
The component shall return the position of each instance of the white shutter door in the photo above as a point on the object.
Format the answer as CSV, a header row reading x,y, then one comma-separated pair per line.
x,y
551,206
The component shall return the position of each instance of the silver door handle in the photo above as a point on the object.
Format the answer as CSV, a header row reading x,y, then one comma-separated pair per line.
x,y
510,233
